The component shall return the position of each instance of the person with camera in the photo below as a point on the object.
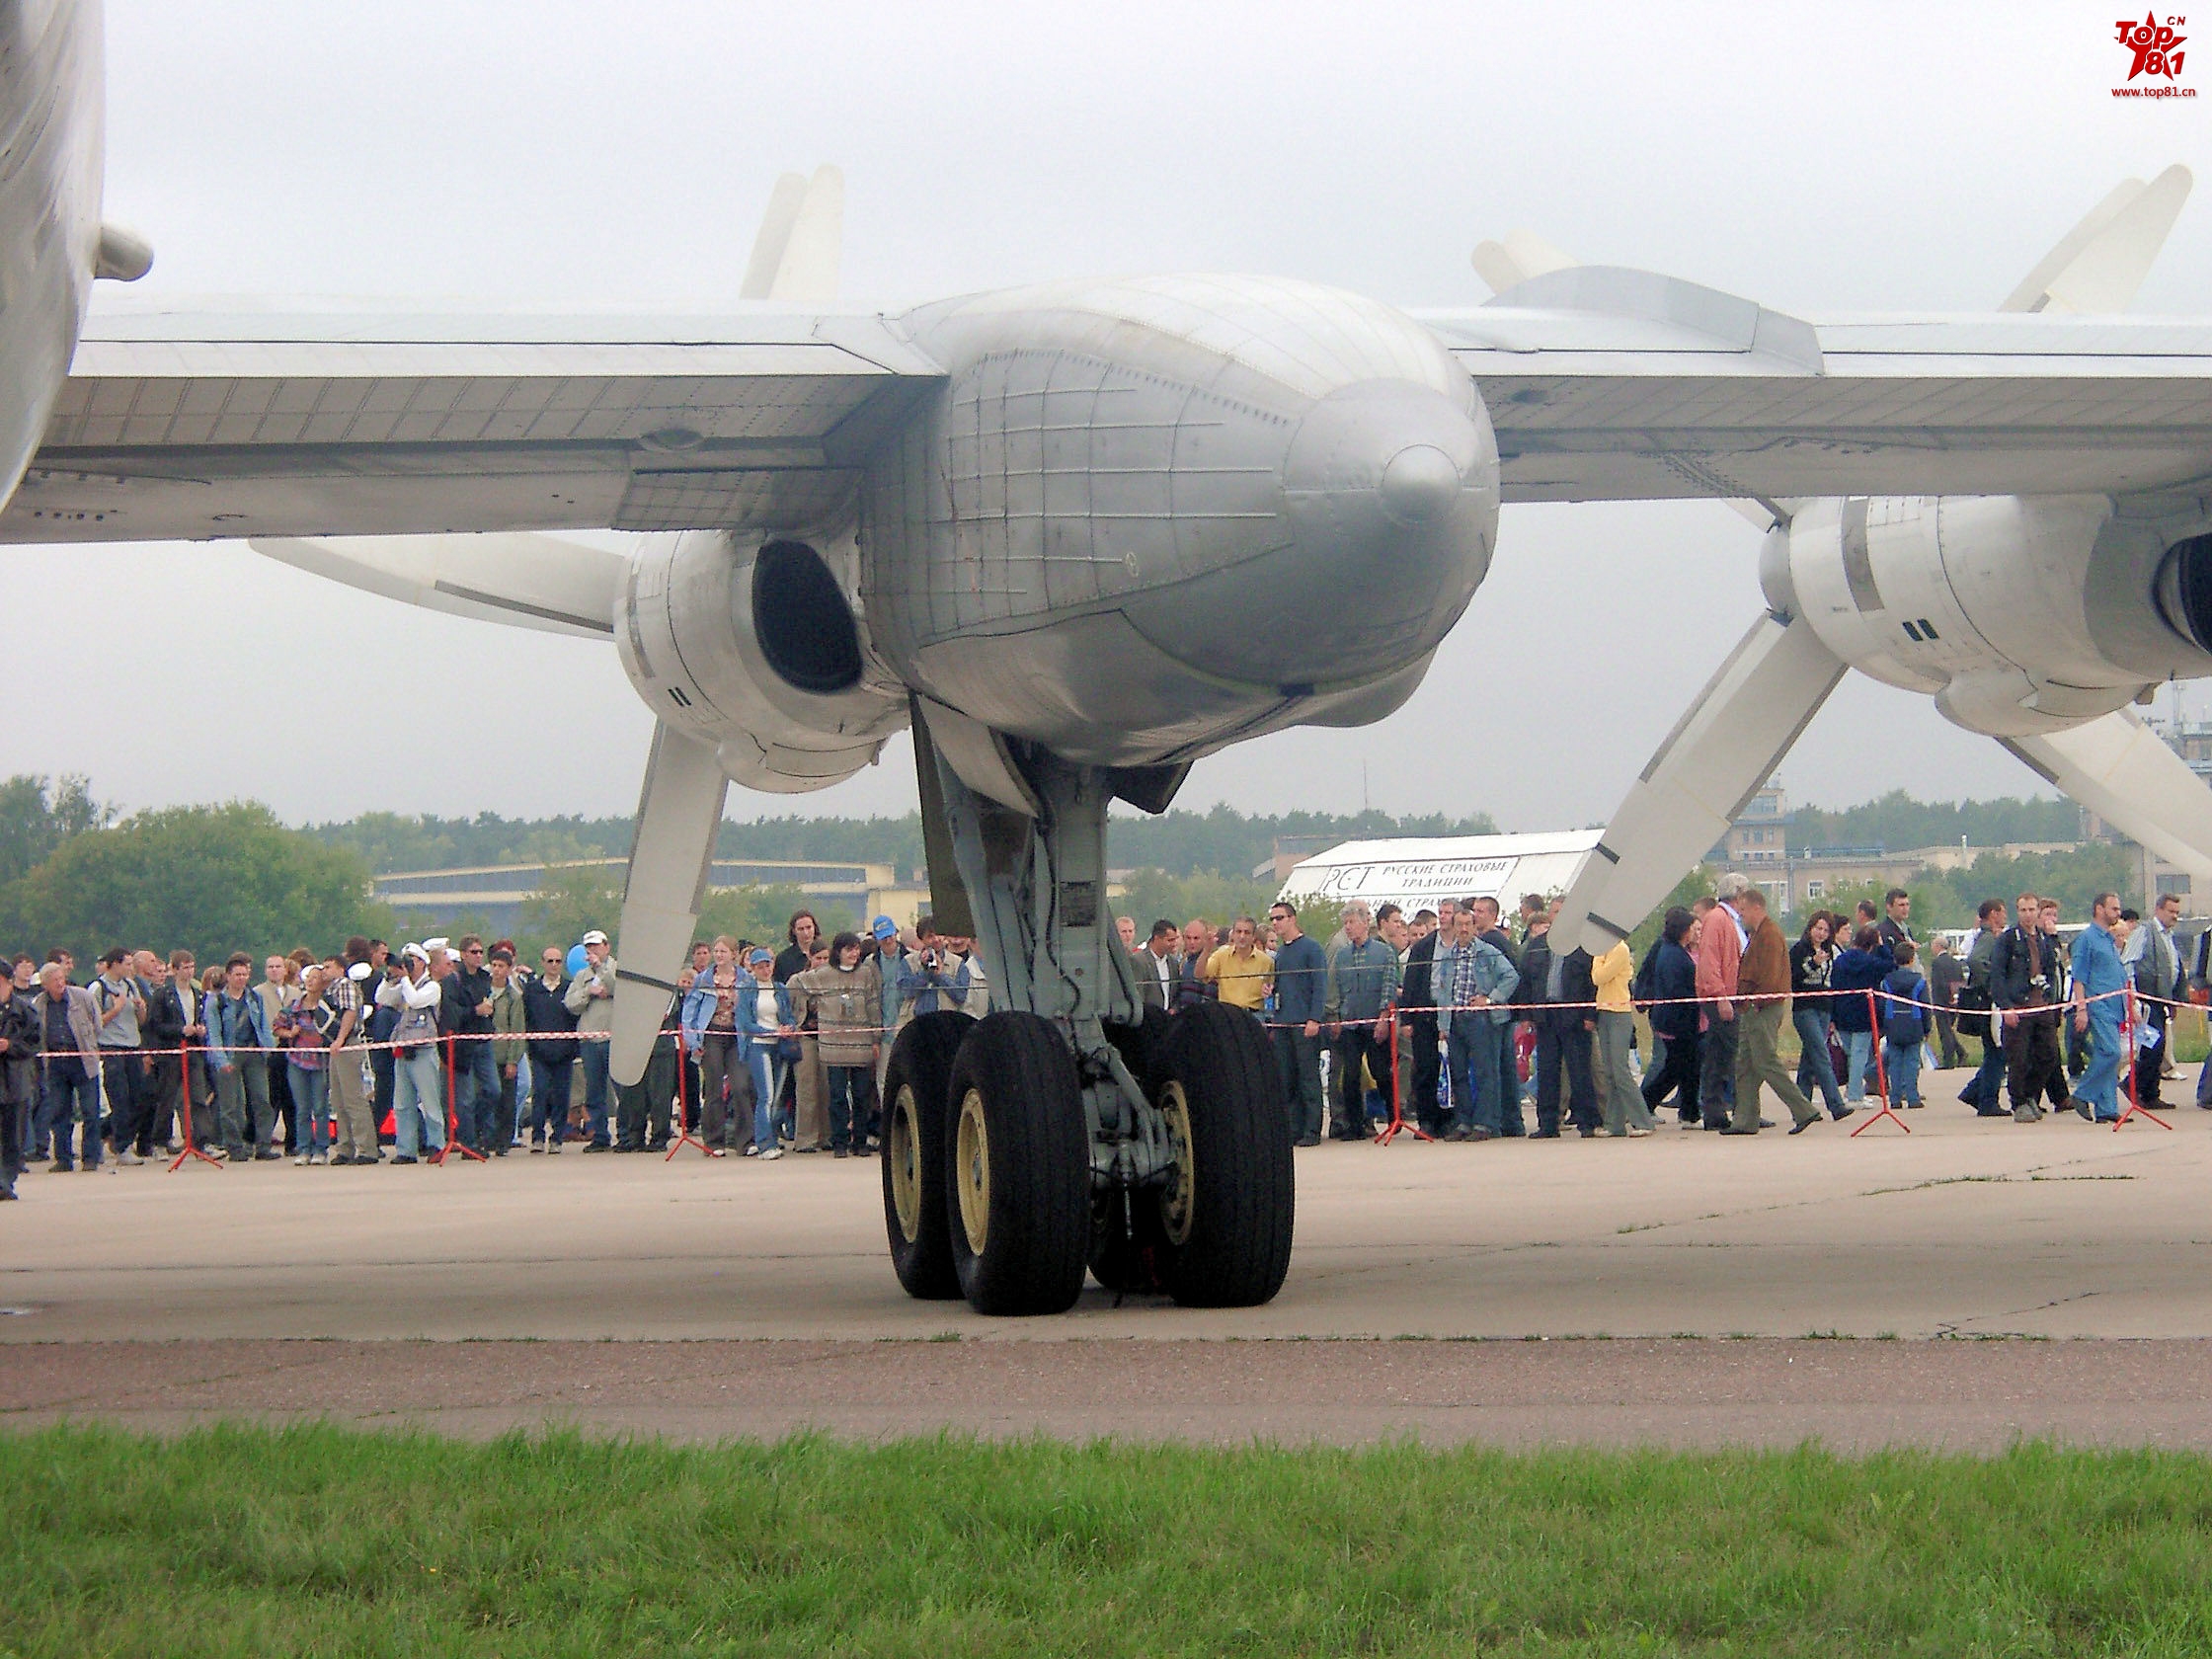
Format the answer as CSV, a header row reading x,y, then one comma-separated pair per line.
x,y
2024,975
351,1103
307,1028
418,1096
933,976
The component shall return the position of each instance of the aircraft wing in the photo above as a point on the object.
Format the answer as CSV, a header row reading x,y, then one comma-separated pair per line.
x,y
1602,384
1610,384
176,425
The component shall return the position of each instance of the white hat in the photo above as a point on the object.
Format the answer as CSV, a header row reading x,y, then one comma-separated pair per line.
x,y
595,937
437,944
416,951
361,971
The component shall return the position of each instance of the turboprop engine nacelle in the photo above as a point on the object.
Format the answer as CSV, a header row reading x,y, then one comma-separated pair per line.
x,y
758,646
2020,616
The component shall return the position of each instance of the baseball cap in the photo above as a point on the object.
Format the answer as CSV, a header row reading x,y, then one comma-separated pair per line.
x,y
882,927
756,954
595,937
416,951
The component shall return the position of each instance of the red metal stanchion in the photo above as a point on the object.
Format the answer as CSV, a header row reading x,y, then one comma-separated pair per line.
x,y
684,1137
1397,1124
2135,1106
183,1113
453,1140
1882,1077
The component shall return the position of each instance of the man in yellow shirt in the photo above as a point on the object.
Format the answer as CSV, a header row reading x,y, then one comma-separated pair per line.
x,y
1242,972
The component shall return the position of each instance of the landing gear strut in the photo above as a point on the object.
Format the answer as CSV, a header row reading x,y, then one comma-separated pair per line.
x,y
1071,1127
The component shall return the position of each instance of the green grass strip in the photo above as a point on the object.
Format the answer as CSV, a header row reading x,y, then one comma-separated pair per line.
x,y
323,1540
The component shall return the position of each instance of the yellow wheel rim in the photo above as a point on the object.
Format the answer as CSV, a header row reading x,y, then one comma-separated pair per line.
x,y
1177,1199
905,1154
972,1172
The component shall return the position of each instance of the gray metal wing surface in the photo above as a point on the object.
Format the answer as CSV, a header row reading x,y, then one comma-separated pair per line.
x,y
1612,385
221,423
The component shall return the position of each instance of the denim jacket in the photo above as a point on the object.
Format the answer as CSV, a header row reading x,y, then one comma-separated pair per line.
x,y
1495,977
235,1023
758,1038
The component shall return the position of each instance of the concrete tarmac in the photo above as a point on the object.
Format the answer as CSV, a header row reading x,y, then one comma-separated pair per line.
x,y
1964,1226
1960,1228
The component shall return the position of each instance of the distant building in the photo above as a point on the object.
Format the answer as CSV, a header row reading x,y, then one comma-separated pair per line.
x,y
1761,833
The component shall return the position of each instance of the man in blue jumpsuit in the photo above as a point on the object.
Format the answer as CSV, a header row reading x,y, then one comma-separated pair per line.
x,y
2097,974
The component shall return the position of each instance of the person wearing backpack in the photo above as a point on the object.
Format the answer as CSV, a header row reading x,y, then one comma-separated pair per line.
x,y
1904,1004
1861,966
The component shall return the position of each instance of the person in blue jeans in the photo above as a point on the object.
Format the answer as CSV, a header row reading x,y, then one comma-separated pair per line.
x,y
417,1071
1474,982
1858,970
552,1052
1809,961
763,1017
590,997
1904,1004
306,1030
69,1049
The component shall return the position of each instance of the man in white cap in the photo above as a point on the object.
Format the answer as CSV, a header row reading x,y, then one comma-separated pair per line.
x,y
419,1095
591,998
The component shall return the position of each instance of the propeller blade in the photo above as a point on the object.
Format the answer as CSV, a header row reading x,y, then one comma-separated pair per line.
x,y
680,812
807,271
520,579
1714,760
2098,264
1522,254
772,237
2123,772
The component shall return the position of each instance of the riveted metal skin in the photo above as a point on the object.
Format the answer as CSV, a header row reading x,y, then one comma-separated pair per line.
x,y
1142,520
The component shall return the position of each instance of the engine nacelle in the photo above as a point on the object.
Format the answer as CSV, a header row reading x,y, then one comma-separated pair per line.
x,y
758,646
2020,616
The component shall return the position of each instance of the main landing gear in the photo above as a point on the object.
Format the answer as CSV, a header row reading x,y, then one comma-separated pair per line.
x,y
1071,1128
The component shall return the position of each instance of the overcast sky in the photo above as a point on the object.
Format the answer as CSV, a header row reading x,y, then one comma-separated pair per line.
x,y
1817,159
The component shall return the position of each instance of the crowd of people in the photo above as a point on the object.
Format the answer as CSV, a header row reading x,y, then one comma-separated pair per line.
x,y
1453,1021
377,1055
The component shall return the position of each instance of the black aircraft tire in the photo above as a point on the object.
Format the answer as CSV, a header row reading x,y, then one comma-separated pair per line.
x,y
1018,1168
1228,1216
917,1113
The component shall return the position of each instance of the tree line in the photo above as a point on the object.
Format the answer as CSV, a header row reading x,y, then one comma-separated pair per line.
x,y
75,873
